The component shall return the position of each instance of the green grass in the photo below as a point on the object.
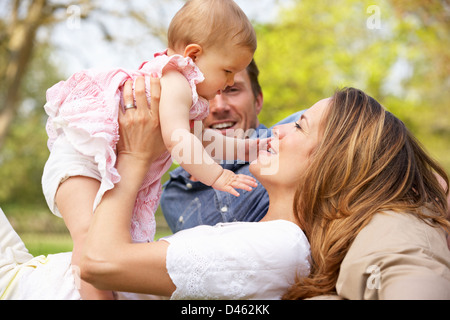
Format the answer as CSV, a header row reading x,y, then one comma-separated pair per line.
x,y
47,243
43,233
51,243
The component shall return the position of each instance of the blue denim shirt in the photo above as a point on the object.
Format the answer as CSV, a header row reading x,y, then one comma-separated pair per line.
x,y
186,203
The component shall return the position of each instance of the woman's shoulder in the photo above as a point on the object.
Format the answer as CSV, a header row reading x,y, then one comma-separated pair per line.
x,y
238,260
278,239
276,226
268,231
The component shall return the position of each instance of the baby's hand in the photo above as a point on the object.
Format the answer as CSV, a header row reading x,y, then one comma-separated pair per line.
x,y
228,180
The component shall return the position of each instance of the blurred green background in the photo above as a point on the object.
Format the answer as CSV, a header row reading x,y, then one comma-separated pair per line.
x,y
398,51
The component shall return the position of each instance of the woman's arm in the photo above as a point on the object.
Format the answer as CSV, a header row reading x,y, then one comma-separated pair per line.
x,y
110,259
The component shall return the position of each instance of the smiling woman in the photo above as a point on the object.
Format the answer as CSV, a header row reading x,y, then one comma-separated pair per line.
x,y
370,200
282,162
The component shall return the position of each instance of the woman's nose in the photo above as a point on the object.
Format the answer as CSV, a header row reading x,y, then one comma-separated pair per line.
x,y
280,131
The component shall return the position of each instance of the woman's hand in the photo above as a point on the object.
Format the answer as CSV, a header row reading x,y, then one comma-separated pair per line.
x,y
139,128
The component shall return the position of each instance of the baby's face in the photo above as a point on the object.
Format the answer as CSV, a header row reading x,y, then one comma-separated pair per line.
x,y
219,65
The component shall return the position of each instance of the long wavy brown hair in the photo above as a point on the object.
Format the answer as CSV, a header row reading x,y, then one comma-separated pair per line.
x,y
366,162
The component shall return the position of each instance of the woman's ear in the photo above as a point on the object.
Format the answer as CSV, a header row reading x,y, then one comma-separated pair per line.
x,y
193,51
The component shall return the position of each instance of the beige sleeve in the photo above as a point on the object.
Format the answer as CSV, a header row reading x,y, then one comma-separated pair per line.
x,y
396,256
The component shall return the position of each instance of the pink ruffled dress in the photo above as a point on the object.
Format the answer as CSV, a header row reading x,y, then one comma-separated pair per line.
x,y
84,109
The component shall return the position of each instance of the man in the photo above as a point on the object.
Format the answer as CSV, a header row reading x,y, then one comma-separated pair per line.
x,y
187,203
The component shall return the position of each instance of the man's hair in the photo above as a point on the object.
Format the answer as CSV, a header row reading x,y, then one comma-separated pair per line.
x,y
209,23
253,73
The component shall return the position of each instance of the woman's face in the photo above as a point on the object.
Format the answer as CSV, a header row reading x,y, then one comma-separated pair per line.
x,y
288,153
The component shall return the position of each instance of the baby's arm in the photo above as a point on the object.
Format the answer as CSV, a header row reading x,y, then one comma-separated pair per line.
x,y
222,147
186,148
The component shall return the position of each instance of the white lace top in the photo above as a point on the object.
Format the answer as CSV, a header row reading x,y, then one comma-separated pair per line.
x,y
238,260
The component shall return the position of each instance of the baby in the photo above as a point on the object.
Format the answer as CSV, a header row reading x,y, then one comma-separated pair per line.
x,y
209,41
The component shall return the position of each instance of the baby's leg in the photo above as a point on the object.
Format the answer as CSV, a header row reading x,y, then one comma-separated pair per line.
x,y
75,199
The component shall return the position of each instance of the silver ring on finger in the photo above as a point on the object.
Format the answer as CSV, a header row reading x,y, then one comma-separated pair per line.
x,y
130,106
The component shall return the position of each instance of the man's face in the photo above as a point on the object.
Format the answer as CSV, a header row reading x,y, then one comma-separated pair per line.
x,y
236,108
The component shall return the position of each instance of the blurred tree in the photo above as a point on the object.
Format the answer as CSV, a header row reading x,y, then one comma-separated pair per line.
x,y
25,150
20,21
318,46
17,41
424,30
394,50
27,70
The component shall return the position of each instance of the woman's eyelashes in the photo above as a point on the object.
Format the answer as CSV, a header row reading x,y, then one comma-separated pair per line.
x,y
297,125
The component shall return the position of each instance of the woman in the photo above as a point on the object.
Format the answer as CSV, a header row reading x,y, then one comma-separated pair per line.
x,y
372,209
350,168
